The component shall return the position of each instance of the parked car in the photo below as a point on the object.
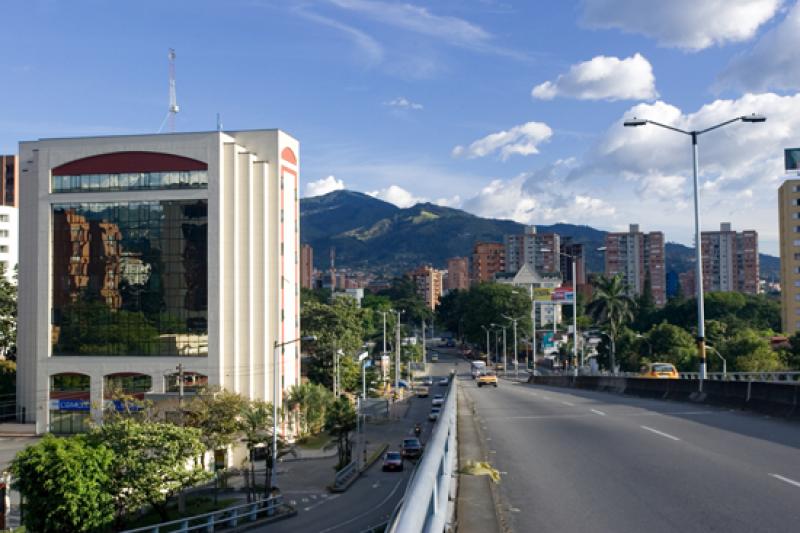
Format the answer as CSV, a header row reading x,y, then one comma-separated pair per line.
x,y
444,382
422,392
659,370
434,415
411,449
392,462
438,400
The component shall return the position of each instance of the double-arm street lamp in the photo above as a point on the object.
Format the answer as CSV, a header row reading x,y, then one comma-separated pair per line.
x,y
277,356
516,360
487,330
573,260
694,134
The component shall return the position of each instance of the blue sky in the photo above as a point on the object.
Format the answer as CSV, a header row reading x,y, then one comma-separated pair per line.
x,y
505,108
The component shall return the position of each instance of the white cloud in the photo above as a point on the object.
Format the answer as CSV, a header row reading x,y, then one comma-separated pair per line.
x,y
454,201
686,24
603,78
773,63
522,140
370,48
396,195
529,200
324,186
402,102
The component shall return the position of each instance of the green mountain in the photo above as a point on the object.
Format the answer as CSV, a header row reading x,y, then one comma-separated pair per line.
x,y
376,236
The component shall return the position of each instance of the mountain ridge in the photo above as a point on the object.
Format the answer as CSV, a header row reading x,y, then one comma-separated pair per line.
x,y
377,236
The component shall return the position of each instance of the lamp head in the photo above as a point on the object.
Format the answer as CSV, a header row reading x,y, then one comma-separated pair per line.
x,y
754,118
309,338
632,123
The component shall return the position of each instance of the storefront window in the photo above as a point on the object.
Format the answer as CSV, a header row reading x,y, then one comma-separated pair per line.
x,y
130,278
69,403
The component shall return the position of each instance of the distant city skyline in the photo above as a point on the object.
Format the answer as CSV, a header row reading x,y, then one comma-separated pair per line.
x,y
505,109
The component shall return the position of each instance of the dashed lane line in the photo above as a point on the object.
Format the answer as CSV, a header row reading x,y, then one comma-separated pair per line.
x,y
657,432
786,480
570,404
595,411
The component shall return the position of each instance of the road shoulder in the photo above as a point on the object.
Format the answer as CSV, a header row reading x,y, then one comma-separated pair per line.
x,y
476,510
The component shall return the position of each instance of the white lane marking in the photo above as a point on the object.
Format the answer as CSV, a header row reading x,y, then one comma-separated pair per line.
x,y
492,451
786,479
317,504
365,513
547,398
569,404
595,411
657,432
376,485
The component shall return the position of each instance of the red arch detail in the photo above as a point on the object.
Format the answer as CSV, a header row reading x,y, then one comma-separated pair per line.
x,y
120,162
288,155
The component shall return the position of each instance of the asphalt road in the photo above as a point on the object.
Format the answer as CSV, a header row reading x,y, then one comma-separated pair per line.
x,y
371,500
591,461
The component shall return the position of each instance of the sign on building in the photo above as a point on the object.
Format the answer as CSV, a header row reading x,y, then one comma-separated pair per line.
x,y
542,294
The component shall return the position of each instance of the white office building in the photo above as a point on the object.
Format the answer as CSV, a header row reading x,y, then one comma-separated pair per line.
x,y
148,253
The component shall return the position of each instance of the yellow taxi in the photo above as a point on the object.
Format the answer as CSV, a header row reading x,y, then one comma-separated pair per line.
x,y
659,370
487,378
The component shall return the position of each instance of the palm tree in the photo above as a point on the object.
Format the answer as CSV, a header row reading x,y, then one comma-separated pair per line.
x,y
611,306
340,420
256,424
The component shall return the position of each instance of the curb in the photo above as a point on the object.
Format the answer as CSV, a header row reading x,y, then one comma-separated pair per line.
x,y
370,462
375,456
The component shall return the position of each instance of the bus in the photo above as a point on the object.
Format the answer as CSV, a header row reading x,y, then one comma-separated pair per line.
x,y
477,368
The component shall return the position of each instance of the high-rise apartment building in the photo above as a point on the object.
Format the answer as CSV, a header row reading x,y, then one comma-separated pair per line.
x,y
307,266
730,260
428,281
540,250
9,227
572,251
789,217
155,258
457,274
488,258
638,257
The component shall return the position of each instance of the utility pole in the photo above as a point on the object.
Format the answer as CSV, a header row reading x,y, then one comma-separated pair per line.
x,y
533,330
424,360
397,356
179,368
383,313
505,352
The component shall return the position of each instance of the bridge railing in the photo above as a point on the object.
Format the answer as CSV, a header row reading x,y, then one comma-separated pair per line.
x,y
784,377
425,507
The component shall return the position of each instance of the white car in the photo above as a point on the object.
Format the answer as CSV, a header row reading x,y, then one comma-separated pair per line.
x,y
437,400
444,382
434,416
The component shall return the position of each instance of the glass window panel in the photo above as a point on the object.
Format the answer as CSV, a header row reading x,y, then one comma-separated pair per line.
x,y
130,278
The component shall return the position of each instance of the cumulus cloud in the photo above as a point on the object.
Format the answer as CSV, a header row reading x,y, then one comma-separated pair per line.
x,y
402,102
773,63
603,78
397,195
324,186
687,24
522,140
529,200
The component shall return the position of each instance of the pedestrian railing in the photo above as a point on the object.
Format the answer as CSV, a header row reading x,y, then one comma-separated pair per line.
x,y
344,475
746,376
228,518
425,507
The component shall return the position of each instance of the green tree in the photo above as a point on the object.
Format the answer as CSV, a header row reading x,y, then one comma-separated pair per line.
x,y
403,295
611,307
672,344
340,420
8,317
216,412
310,402
150,462
65,485
793,353
256,419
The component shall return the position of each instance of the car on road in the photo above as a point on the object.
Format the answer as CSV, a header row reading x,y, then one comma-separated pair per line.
x,y
428,381
411,448
422,392
450,343
434,357
487,378
392,462
438,400
434,414
444,382
660,371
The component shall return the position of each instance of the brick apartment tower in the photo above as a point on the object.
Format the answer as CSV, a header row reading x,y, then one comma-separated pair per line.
x,y
457,274
527,248
429,284
637,256
789,217
730,260
488,258
307,266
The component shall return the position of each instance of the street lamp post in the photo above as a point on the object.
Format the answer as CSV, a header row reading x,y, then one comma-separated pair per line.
x,y
516,360
724,361
276,356
694,134
484,328
573,261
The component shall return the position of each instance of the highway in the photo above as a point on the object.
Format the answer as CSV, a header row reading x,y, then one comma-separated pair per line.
x,y
591,461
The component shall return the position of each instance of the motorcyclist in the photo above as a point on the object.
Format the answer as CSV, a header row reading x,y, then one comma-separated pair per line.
x,y
417,429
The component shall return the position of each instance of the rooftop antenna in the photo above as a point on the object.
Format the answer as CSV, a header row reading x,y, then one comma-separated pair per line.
x,y
173,100
219,122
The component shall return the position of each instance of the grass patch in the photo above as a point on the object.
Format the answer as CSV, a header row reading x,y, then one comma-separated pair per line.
x,y
194,506
315,442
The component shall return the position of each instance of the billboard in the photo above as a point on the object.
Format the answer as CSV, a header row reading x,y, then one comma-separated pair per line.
x,y
791,159
542,294
563,294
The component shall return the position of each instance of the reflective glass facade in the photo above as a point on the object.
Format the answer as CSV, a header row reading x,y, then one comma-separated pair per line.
x,y
130,181
130,278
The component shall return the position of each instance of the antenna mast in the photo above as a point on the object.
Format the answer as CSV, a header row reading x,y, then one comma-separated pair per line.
x,y
173,99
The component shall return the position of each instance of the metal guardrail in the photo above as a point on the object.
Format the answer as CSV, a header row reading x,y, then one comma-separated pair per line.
x,y
746,376
425,504
227,518
343,475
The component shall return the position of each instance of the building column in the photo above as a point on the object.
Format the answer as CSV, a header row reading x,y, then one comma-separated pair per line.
x,y
96,398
